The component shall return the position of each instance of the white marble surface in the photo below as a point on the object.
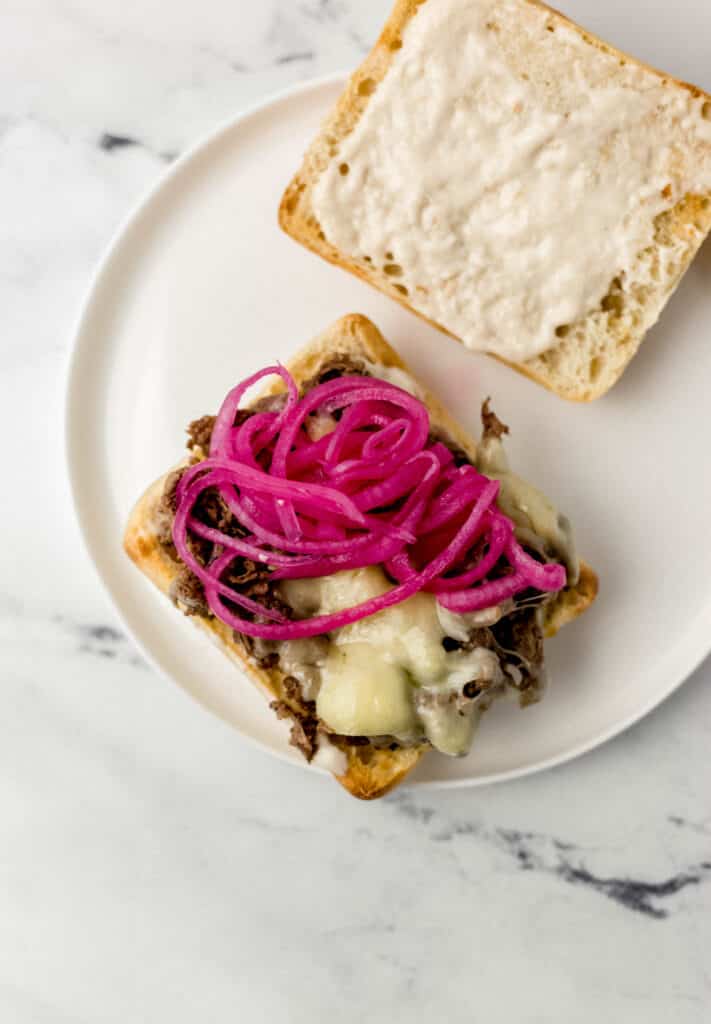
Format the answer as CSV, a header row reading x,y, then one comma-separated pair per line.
x,y
154,867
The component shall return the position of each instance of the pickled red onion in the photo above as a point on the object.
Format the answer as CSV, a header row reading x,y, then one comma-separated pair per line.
x,y
376,490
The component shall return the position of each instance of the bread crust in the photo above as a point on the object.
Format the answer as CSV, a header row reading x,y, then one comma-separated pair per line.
x,y
370,772
690,218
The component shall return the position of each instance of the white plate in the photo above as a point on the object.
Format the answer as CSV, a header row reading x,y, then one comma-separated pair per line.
x,y
201,288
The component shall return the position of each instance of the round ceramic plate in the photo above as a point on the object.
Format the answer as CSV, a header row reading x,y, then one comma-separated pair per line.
x,y
201,288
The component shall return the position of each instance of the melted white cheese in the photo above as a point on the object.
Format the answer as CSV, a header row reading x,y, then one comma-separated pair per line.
x,y
319,425
375,667
304,660
398,377
504,205
450,733
460,627
330,758
533,514
363,694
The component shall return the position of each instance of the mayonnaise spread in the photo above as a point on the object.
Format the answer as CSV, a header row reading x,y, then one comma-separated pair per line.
x,y
505,171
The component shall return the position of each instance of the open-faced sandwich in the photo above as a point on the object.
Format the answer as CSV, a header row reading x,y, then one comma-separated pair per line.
x,y
381,575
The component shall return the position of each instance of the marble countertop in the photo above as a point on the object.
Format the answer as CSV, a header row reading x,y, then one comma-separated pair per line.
x,y
153,866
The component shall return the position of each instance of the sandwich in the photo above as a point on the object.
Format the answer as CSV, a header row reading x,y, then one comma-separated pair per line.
x,y
381,576
521,185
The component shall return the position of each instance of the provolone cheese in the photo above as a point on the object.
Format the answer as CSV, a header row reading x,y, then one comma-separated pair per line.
x,y
374,667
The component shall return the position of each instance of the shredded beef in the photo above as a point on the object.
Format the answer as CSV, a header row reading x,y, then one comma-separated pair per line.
x,y
262,651
187,590
270,403
339,365
303,729
211,510
292,690
264,591
165,511
527,637
244,570
519,642
282,709
254,581
305,722
493,427
303,736
200,431
480,637
270,660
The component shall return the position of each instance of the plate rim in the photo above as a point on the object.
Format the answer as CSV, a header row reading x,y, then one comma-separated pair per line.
x,y
697,647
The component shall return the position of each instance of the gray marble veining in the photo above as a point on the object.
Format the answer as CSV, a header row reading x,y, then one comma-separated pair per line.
x,y
153,866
